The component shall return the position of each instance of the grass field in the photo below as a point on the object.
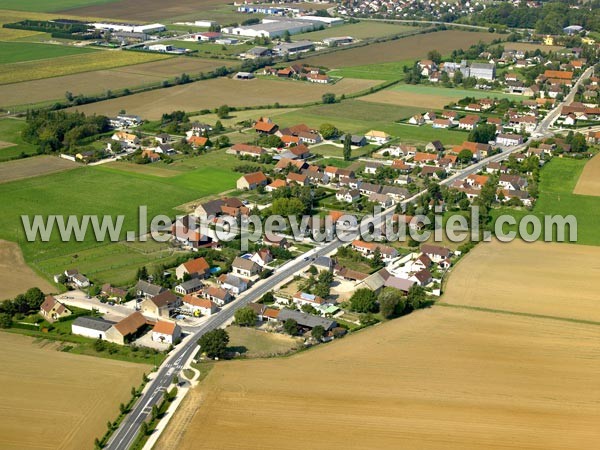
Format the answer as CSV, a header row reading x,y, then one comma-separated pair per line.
x,y
33,167
10,135
440,378
65,65
429,96
412,47
107,190
558,180
210,49
15,275
529,47
589,181
210,94
362,30
13,52
100,81
251,343
384,71
53,399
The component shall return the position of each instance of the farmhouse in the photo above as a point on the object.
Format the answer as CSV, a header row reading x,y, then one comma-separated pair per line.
x,y
92,327
127,329
113,292
52,310
264,125
166,332
368,249
160,305
384,278
127,140
200,306
251,181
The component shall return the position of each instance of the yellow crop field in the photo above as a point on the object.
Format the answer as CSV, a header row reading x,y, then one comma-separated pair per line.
x,y
65,65
57,400
448,377
589,181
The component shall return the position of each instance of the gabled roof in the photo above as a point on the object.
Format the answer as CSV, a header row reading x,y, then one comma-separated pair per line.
x,y
165,298
130,324
93,323
165,327
198,265
255,178
149,288
245,264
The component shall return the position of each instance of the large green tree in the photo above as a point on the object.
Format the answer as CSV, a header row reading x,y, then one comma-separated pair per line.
x,y
363,301
245,317
214,343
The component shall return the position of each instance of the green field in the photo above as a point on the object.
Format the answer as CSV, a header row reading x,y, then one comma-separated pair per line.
x,y
328,150
12,52
206,49
358,117
99,191
558,179
48,6
384,71
453,92
10,133
362,30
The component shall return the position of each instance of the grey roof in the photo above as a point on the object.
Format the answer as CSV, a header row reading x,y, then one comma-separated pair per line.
x,y
323,261
234,280
485,66
393,190
93,323
194,283
290,46
370,187
306,320
148,288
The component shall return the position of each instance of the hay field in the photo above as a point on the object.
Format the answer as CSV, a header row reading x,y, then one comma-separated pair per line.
x,y
15,275
56,400
362,30
65,65
589,181
558,280
213,93
530,47
99,81
442,378
33,167
412,47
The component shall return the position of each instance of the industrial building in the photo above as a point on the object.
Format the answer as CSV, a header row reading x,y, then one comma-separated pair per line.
x,y
150,28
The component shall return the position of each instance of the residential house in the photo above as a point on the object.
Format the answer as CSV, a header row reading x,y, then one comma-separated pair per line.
x,y
382,200
160,305
378,137
166,332
441,123
231,283
348,195
306,321
195,268
368,248
435,252
127,140
297,178
197,141
219,295
421,158
369,188
148,290
512,182
52,310
113,293
509,140
276,184
303,298
202,306
246,150
417,119
372,166
189,286
245,267
434,146
422,278
251,181
262,257
355,140
468,122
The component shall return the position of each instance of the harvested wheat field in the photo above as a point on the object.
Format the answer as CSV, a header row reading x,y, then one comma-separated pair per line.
x,y
589,181
211,94
100,81
404,98
56,400
33,167
442,378
412,47
15,275
558,280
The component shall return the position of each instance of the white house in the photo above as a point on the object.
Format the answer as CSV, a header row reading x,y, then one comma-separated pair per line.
x,y
166,332
509,140
198,305
378,137
92,327
347,195
232,284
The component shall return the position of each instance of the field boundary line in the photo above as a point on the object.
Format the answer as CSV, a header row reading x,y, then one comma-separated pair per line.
x,y
518,313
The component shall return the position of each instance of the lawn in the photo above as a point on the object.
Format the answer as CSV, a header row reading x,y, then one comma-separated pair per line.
x,y
453,92
13,52
11,144
251,343
206,49
329,150
558,179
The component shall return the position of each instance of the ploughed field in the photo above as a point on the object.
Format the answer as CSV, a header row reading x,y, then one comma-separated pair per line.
x,y
448,377
589,181
57,400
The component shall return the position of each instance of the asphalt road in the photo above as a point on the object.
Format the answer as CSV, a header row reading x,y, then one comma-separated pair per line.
x,y
129,428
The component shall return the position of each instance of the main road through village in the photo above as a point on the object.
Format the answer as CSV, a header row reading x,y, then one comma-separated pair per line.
x,y
124,436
